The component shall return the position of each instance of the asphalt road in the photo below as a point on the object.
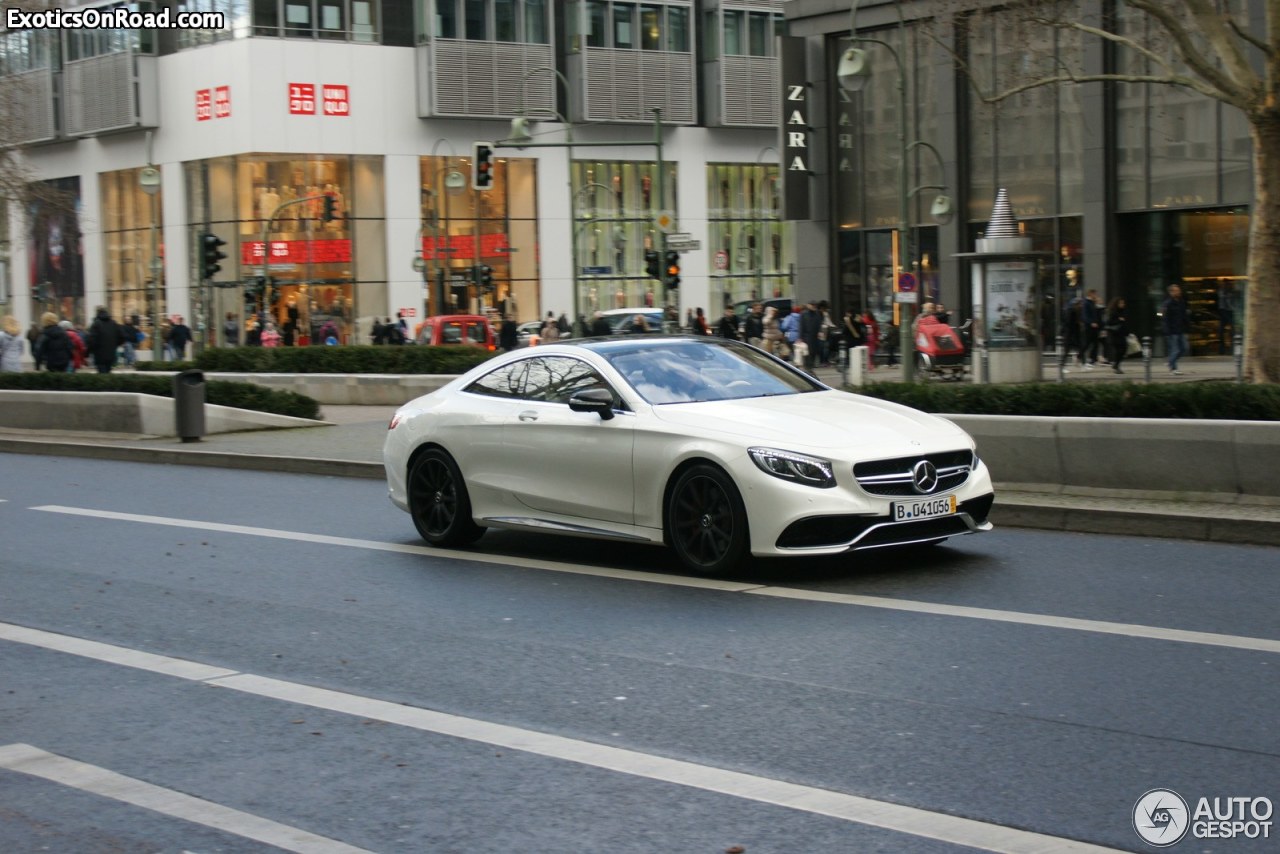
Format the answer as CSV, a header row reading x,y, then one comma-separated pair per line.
x,y
279,663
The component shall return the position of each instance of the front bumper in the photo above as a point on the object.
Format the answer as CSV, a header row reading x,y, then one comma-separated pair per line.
x,y
826,534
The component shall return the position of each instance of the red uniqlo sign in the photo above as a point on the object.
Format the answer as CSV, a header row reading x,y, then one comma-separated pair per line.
x,y
222,102
336,102
297,252
302,99
204,105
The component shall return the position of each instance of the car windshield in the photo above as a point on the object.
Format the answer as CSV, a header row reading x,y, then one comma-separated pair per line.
x,y
690,371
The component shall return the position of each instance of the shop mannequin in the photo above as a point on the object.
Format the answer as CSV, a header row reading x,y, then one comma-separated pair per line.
x,y
270,200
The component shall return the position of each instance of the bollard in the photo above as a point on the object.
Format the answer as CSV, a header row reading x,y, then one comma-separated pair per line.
x,y
188,405
1060,348
842,362
1146,357
1237,348
986,361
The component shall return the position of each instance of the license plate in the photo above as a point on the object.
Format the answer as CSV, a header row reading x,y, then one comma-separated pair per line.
x,y
929,508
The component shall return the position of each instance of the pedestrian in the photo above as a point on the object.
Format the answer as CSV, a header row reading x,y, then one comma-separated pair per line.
x,y
1072,336
600,326
231,330
941,313
790,326
810,330
700,323
753,325
508,335
688,319
33,335
270,335
252,332
10,344
871,337
550,332
53,347
79,352
402,328
132,338
639,325
179,337
775,340
728,325
830,334
1090,329
1116,329
563,325
1175,322
104,339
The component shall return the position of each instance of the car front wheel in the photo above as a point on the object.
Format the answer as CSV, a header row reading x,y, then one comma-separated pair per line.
x,y
438,501
707,520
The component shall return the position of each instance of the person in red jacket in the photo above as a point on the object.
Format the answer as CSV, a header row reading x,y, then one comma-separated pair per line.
x,y
78,349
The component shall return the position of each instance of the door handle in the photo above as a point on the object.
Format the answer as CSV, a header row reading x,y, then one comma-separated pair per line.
x,y
529,415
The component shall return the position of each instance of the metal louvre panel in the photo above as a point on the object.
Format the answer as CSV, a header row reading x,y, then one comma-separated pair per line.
x,y
751,90
99,94
28,97
624,85
487,79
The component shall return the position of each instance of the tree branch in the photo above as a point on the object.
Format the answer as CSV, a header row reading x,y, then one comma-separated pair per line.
x,y
1241,89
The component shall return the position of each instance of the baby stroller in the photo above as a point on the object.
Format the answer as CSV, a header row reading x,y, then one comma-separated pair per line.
x,y
940,350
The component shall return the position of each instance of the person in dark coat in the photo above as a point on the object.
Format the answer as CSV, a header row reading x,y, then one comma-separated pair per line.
x,y
600,326
104,339
508,335
179,337
53,348
728,325
1175,321
1116,327
810,329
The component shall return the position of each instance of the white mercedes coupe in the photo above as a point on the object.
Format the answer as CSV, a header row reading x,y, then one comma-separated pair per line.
x,y
713,447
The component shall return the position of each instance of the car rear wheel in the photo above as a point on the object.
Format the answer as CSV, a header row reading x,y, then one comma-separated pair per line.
x,y
438,501
707,521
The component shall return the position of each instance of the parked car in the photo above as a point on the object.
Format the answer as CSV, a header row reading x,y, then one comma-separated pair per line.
x,y
622,320
709,445
472,329
528,334
782,304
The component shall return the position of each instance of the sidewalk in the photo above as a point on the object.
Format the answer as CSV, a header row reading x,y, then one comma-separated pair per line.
x,y
350,445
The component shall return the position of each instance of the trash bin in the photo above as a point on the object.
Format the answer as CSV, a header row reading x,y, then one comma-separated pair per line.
x,y
188,405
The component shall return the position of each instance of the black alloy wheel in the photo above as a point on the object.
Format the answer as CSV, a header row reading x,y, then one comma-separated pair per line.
x,y
438,501
707,520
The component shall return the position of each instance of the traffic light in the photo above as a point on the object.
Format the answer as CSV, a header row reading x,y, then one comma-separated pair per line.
x,y
673,269
329,215
482,166
210,254
484,277
653,264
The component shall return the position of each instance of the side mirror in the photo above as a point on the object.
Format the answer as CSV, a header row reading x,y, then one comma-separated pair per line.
x,y
597,400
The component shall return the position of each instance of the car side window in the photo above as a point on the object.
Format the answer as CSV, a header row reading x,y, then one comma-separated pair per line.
x,y
476,333
451,333
507,381
555,379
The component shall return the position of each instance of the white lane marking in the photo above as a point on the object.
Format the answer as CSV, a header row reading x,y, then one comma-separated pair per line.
x,y
1133,630
894,817
401,548
25,759
111,654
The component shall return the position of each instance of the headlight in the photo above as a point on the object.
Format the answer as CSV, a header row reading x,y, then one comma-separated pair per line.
x,y
811,471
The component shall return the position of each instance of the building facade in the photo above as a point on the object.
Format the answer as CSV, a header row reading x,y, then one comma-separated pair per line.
x,y
329,143
1125,188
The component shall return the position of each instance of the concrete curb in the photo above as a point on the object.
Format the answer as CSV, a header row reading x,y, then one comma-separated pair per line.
x,y
1075,514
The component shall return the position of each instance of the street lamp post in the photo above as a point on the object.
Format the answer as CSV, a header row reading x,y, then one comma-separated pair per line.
x,y
853,71
149,180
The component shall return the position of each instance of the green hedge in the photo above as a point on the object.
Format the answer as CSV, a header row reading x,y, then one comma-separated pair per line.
x,y
353,359
219,392
1212,400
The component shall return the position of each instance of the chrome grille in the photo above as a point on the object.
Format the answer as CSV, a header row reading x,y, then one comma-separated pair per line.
x,y
893,477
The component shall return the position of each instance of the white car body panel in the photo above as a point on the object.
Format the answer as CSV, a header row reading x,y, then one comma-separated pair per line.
x,y
576,472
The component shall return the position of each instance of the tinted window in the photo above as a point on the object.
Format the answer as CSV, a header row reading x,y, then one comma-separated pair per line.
x,y
555,379
504,382
692,371
477,333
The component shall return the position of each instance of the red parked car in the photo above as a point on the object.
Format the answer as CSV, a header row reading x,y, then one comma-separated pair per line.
x,y
472,329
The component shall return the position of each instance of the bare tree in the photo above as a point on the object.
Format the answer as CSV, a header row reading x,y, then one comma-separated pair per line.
x,y
1226,50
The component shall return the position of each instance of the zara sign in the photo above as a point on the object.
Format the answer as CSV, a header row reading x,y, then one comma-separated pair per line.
x,y
797,131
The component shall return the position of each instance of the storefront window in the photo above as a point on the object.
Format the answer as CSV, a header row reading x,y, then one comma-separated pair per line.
x,y
614,205
128,214
55,249
747,235
463,229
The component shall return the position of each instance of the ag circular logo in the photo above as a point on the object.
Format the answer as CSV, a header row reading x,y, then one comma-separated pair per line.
x,y
1161,817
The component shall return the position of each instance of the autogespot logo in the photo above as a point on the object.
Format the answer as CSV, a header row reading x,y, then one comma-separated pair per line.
x,y
1160,817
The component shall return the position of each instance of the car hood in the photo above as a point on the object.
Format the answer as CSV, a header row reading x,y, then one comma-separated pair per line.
x,y
820,421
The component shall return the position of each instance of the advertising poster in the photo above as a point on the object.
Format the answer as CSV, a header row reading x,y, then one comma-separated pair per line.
x,y
1010,303
54,246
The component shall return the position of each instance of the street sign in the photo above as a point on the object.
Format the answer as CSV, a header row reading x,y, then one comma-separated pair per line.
x,y
685,245
906,284
596,271
664,220
679,237
722,260
906,297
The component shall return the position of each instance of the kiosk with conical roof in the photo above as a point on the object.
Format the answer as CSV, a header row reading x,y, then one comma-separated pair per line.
x,y
1006,308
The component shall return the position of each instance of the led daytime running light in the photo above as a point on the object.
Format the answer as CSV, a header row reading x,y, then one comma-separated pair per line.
x,y
798,468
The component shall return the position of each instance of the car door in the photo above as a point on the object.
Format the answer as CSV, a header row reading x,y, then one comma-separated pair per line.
x,y
565,462
476,440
